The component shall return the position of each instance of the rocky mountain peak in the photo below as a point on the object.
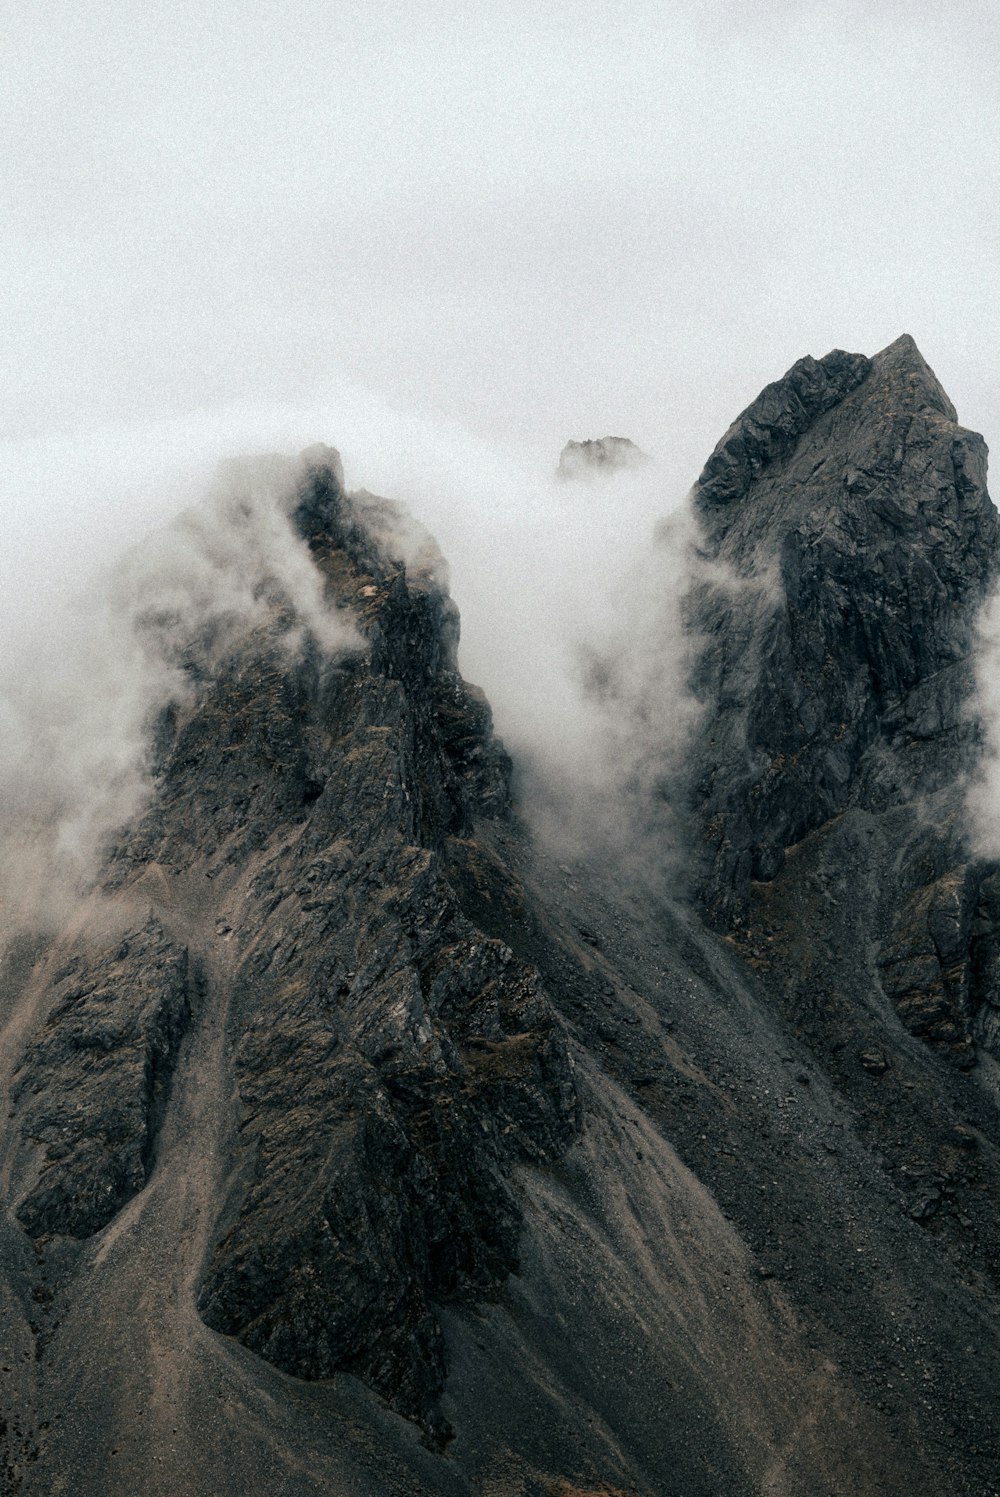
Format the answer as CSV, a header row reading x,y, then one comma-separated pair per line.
x,y
865,414
768,431
321,458
858,542
901,374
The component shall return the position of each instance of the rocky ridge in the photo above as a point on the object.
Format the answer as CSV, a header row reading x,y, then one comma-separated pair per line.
x,y
368,1149
849,514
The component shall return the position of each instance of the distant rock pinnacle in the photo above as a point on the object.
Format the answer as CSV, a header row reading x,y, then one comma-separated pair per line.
x,y
599,456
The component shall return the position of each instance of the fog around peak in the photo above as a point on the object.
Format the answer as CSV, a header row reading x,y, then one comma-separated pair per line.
x,y
84,680
448,243
550,575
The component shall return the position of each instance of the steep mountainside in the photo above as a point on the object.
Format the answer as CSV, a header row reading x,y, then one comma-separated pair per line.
x,y
838,745
363,1149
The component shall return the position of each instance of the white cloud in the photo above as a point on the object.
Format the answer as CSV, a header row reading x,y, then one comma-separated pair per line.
x,y
82,680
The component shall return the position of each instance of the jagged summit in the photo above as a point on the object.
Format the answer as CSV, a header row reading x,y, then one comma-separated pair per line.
x,y
322,458
876,398
904,370
768,430
856,510
839,678
302,810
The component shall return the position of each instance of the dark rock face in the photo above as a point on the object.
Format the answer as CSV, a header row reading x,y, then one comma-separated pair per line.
x,y
93,1084
835,754
768,430
850,514
600,455
385,1108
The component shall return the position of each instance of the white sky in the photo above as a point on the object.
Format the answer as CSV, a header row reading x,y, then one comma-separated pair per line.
x,y
538,220
399,225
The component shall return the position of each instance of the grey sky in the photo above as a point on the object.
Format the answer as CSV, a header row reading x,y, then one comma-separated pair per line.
x,y
538,220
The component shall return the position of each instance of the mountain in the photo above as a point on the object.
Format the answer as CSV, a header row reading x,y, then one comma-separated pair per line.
x,y
358,1145
599,456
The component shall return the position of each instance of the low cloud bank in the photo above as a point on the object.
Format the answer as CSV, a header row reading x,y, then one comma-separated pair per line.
x,y
571,613
81,686
983,798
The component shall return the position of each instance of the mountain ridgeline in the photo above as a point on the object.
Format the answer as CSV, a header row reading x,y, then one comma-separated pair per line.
x,y
366,1149
838,681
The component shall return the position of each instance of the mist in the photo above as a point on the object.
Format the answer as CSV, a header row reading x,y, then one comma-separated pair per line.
x,y
983,796
446,242
82,683
555,579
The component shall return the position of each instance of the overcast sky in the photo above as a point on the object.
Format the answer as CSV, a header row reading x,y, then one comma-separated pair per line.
x,y
511,223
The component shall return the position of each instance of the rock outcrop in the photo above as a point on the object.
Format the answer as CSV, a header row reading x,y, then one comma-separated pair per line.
x,y
94,1082
854,542
599,456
